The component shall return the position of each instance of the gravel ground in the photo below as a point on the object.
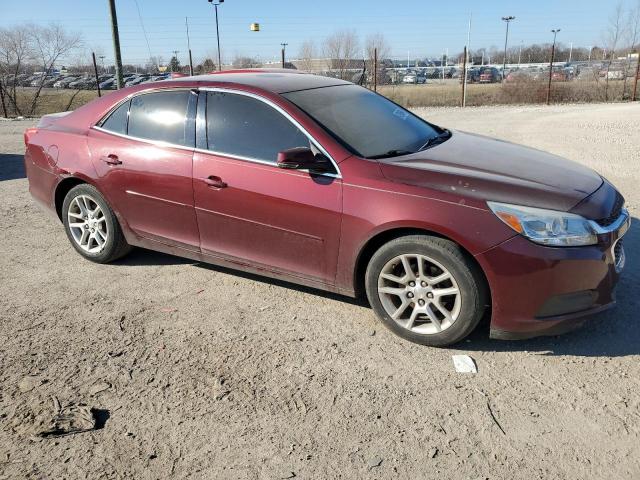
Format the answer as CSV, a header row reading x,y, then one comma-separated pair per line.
x,y
200,372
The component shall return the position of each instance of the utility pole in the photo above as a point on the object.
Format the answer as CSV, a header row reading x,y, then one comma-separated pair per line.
x,y
464,77
284,47
116,42
506,40
218,32
553,51
101,57
95,70
375,69
466,53
570,52
520,53
186,22
590,50
635,80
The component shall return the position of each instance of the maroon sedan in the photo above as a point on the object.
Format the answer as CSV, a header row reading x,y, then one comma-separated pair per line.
x,y
327,184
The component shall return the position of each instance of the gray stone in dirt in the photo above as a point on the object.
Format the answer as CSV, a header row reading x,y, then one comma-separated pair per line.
x,y
372,333
98,387
288,475
433,452
375,462
72,418
28,383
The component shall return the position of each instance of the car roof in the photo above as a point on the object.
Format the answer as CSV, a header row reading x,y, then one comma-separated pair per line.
x,y
273,80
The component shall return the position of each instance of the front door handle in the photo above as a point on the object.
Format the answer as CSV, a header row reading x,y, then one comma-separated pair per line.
x,y
215,182
111,159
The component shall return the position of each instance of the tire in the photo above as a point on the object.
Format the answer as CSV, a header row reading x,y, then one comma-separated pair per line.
x,y
77,208
438,310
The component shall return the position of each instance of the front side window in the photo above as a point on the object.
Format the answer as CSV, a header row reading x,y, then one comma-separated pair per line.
x,y
161,116
116,122
246,127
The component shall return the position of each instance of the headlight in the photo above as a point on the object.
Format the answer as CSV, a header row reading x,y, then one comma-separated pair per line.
x,y
547,227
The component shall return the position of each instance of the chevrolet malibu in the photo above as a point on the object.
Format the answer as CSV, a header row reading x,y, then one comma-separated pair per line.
x,y
323,183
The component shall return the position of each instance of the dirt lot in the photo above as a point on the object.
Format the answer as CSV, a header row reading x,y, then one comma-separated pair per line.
x,y
200,372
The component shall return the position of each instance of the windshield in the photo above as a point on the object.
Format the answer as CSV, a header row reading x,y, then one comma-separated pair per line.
x,y
366,123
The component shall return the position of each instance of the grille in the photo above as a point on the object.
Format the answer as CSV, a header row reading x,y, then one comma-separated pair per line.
x,y
615,212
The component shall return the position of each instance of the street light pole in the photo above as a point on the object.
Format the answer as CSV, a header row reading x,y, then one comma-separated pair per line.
x,y
218,32
506,40
553,51
284,48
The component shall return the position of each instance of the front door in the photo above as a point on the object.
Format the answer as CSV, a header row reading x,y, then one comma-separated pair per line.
x,y
144,156
247,208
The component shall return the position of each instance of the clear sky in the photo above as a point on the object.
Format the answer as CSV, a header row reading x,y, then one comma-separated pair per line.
x,y
421,27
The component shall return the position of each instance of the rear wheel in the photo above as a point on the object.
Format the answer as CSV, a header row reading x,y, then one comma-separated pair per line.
x,y
91,225
425,290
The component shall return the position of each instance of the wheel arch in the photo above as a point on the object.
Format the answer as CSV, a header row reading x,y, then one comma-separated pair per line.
x,y
380,238
64,186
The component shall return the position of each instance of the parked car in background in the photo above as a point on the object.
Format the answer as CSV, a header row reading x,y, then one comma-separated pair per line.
x,y
409,78
618,74
489,75
473,75
517,75
64,83
321,182
560,74
109,84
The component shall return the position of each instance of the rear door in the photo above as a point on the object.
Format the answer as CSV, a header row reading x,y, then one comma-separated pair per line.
x,y
248,209
143,154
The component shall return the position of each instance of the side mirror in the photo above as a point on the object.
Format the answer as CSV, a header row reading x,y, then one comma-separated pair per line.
x,y
302,158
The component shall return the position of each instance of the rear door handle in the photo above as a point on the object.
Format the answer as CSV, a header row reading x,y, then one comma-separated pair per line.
x,y
215,182
111,159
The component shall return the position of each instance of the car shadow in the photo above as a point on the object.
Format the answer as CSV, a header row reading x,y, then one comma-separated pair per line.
x,y
144,257
11,166
614,333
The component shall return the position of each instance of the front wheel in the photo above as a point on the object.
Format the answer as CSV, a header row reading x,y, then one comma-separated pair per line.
x,y
425,290
91,225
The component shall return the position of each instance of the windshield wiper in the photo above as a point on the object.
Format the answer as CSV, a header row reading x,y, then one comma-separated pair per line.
x,y
391,153
441,137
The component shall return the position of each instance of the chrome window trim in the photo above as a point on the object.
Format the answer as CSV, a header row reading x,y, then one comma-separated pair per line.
x,y
287,116
157,143
160,143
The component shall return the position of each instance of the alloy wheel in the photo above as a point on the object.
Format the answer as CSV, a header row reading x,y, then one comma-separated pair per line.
x,y
419,294
87,224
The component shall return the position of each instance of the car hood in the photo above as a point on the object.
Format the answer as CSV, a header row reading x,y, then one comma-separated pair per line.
x,y
477,167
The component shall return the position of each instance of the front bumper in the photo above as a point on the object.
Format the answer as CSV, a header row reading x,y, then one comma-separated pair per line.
x,y
538,290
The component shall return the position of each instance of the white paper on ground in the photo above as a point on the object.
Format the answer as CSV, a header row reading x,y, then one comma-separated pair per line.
x,y
464,364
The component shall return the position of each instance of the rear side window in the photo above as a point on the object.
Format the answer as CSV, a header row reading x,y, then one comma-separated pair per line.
x,y
117,121
161,116
244,126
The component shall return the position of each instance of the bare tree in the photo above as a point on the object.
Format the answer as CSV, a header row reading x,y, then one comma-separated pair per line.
x,y
633,35
377,43
340,48
613,35
307,55
49,45
154,63
15,53
240,61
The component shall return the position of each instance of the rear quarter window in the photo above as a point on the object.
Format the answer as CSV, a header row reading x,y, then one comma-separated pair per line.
x,y
116,121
